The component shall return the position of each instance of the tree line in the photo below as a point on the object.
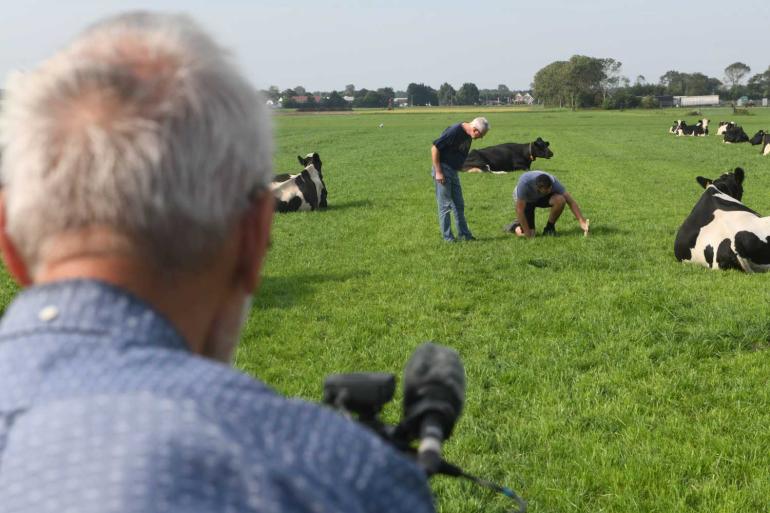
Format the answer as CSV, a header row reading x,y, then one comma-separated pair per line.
x,y
579,82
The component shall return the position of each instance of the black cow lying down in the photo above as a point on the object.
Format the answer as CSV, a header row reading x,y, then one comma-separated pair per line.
x,y
735,134
506,157
303,191
762,138
723,233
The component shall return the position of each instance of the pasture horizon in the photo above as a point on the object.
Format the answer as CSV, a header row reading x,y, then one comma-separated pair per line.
x,y
602,375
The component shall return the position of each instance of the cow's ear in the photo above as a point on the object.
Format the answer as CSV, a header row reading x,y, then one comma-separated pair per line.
x,y
739,174
316,161
301,160
547,143
704,182
539,139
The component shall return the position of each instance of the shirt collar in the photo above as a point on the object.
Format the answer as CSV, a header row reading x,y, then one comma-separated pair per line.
x,y
93,306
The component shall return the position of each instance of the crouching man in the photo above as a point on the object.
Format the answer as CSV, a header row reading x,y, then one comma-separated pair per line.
x,y
537,189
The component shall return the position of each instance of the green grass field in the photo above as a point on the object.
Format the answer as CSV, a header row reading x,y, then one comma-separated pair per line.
x,y
602,374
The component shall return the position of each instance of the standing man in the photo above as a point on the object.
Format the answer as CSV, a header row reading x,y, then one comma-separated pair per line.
x,y
136,212
538,189
448,153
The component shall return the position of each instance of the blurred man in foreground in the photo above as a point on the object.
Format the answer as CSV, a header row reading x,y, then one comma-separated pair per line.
x,y
135,209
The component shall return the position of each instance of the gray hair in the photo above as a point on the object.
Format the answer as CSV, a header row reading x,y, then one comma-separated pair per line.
x,y
481,124
142,125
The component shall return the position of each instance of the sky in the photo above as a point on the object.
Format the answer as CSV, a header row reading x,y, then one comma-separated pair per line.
x,y
325,45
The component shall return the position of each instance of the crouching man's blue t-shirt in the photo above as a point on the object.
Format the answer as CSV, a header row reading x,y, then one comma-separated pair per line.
x,y
453,145
526,189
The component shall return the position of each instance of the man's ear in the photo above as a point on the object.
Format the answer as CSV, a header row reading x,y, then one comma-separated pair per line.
x,y
11,256
255,239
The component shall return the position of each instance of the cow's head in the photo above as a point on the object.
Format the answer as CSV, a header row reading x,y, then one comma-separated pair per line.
x,y
540,148
310,158
757,139
729,183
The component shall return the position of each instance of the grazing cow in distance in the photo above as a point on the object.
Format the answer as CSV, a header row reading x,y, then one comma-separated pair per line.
x,y
723,233
506,157
303,191
724,126
735,134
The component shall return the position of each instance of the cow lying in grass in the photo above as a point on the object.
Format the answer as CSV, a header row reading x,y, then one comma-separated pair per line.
x,y
724,126
723,233
699,129
763,139
675,127
764,143
735,134
507,157
303,191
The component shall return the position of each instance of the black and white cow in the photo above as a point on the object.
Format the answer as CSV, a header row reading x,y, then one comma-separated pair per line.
x,y
701,128
724,126
303,191
757,139
723,233
764,142
735,134
676,126
506,157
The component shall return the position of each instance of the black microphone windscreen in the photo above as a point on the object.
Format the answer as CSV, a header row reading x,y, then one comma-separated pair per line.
x,y
434,376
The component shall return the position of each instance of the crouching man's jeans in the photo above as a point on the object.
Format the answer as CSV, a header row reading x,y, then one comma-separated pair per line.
x,y
449,196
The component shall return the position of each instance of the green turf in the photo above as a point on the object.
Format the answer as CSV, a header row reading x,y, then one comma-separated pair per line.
x,y
602,374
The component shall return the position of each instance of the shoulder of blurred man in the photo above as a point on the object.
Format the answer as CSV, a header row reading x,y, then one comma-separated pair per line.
x,y
110,400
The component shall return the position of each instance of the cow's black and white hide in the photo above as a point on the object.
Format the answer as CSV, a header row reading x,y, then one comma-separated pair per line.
x,y
757,139
735,134
302,191
676,126
506,157
764,143
723,233
699,129
724,126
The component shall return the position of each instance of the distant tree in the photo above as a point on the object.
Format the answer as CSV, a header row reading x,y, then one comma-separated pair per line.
x,y
548,84
271,93
301,91
372,99
612,78
735,72
640,80
350,89
420,94
288,93
674,82
334,101
446,94
468,94
758,85
387,93
502,89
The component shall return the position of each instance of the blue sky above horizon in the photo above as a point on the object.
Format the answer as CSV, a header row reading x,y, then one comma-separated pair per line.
x,y
325,45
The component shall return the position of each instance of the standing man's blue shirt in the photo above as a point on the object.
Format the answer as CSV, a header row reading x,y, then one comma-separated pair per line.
x,y
453,145
526,189
103,408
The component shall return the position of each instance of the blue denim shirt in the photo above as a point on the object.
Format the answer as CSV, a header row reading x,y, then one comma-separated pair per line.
x,y
104,409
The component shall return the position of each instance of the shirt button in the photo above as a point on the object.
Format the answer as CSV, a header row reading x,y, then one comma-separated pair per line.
x,y
48,313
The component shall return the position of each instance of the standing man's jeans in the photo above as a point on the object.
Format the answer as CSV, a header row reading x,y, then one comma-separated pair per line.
x,y
449,196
